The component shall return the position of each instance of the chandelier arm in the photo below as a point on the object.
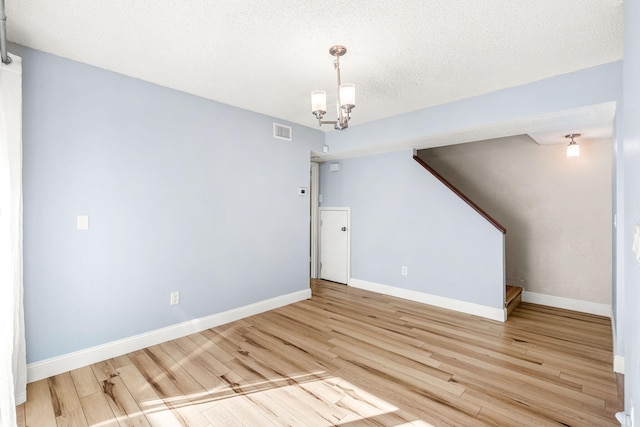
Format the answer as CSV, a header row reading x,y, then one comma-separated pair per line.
x,y
327,122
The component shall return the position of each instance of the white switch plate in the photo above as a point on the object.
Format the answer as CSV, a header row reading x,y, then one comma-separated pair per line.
x,y
82,222
404,270
175,298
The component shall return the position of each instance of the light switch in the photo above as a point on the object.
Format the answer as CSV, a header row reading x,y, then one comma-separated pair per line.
x,y
82,222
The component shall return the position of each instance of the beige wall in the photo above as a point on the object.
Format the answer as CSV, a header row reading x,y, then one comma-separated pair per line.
x,y
557,211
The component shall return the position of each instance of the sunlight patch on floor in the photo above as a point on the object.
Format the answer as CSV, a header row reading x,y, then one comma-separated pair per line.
x,y
330,400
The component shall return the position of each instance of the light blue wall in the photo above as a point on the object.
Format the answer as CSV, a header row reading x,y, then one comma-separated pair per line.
x,y
191,195
402,216
582,88
183,194
631,135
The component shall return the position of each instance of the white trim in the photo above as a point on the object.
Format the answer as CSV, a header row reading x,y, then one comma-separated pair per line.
x,y
499,314
315,221
618,364
66,362
567,303
618,361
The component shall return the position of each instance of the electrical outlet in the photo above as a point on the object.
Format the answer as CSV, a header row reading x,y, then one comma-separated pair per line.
x,y
82,222
404,270
175,298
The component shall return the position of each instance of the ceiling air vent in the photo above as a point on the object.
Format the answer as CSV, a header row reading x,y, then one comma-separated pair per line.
x,y
281,131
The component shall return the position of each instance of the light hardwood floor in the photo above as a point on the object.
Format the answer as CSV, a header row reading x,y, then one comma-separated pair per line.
x,y
351,357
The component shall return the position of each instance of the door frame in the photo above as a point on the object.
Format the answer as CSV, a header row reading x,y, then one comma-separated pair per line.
x,y
315,220
348,211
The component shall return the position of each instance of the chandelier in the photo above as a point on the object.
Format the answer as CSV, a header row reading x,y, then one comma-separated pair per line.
x,y
346,97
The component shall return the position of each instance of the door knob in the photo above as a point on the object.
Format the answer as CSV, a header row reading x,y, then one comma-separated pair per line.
x,y
344,228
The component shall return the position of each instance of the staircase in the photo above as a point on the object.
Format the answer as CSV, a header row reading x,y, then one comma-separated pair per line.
x,y
513,295
513,298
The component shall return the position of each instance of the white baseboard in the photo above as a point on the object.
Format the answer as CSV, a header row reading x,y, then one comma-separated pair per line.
x,y
492,313
618,364
567,303
618,361
66,362
581,306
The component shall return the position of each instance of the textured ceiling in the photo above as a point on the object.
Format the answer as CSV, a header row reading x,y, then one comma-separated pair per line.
x,y
266,56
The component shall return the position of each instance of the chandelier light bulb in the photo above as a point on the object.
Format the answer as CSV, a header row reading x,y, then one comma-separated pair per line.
x,y
573,149
348,96
319,101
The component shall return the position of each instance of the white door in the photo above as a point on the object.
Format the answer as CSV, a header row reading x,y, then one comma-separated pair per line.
x,y
334,244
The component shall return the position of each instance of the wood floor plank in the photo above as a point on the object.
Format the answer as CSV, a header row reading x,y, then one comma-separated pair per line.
x,y
301,406
555,406
419,402
362,406
443,392
426,376
157,412
85,381
39,405
177,388
268,345
98,411
20,416
412,352
505,410
278,325
248,412
198,363
354,358
451,353
122,403
278,410
215,355
220,415
63,395
120,361
74,418
293,376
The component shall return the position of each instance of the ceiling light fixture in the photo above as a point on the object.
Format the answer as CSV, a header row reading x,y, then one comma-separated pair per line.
x,y
346,97
573,149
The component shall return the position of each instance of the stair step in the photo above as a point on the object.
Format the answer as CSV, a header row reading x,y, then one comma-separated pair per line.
x,y
513,298
512,293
